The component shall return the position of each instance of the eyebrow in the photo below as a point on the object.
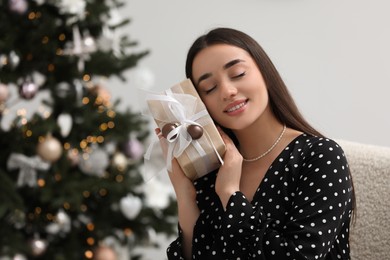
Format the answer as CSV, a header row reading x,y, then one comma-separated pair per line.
x,y
226,66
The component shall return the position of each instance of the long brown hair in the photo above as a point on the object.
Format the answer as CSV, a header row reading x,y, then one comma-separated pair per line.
x,y
281,102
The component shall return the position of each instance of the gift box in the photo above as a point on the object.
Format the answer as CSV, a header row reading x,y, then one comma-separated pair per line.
x,y
190,132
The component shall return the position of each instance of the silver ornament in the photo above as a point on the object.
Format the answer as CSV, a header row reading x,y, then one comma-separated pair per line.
x,y
94,163
38,246
50,149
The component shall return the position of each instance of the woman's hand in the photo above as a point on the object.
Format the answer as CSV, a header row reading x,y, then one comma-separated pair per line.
x,y
182,185
188,210
229,174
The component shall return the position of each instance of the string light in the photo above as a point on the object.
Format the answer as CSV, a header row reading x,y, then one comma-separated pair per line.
x,y
51,67
119,178
62,37
103,192
86,194
86,77
41,183
111,125
90,227
103,127
90,241
57,177
66,205
83,208
31,15
88,254
45,39
111,113
85,100
28,133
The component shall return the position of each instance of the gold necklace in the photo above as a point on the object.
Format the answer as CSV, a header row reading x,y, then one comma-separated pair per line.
x,y
269,150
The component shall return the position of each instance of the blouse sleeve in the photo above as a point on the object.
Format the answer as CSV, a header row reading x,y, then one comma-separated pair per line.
x,y
320,209
174,250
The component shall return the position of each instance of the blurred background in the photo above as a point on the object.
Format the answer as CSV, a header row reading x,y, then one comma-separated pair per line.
x,y
72,134
333,55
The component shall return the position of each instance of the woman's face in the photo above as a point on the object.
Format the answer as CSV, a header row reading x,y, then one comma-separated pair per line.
x,y
231,85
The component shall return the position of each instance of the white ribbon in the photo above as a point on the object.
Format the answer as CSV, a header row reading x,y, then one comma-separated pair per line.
x,y
27,168
179,108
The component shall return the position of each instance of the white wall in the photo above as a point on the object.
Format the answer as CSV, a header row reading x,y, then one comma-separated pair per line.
x,y
334,55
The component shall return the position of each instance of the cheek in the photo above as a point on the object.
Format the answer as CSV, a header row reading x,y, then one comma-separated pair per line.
x,y
212,108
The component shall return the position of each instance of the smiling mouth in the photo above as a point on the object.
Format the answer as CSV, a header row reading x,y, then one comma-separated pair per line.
x,y
236,107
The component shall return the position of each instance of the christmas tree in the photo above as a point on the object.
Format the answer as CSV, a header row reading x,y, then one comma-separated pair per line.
x,y
70,181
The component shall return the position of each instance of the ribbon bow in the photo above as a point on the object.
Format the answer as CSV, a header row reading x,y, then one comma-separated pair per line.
x,y
27,168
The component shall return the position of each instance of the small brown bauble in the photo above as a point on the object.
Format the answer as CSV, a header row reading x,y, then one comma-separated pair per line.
x,y
195,131
167,129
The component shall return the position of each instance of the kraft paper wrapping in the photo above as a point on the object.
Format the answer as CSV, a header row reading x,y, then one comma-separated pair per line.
x,y
200,156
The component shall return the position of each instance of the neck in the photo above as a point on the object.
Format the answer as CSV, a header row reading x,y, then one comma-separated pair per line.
x,y
259,137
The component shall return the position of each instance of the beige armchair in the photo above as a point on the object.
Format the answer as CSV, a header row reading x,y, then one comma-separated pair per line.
x,y
370,168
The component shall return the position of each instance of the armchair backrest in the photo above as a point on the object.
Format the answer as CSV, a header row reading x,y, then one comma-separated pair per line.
x,y
370,169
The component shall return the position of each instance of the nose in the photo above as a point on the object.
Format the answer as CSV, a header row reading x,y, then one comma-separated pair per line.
x,y
228,91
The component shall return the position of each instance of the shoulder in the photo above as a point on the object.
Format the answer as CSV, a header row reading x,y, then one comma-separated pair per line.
x,y
310,147
306,142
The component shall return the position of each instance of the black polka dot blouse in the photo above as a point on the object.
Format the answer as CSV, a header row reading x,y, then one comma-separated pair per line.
x,y
301,210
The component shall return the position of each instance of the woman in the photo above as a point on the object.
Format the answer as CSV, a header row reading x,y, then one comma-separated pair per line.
x,y
284,191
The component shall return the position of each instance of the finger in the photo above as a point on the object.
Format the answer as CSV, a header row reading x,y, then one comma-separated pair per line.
x,y
158,133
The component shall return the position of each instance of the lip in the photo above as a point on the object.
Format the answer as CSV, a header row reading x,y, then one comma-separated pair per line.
x,y
236,107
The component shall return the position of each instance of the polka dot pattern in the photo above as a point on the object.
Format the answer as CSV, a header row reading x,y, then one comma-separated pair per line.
x,y
301,210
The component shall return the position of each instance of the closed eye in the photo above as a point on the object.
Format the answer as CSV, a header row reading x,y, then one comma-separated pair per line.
x,y
239,75
210,89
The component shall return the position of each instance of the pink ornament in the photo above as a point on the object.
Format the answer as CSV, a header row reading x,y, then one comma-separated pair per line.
x,y
4,93
133,149
28,90
18,6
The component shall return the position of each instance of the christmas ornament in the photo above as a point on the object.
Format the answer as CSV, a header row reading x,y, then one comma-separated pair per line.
x,y
105,253
62,223
73,7
28,90
133,149
130,206
50,149
94,163
14,59
79,48
38,246
158,194
28,167
4,93
18,6
119,161
64,121
64,90
19,257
